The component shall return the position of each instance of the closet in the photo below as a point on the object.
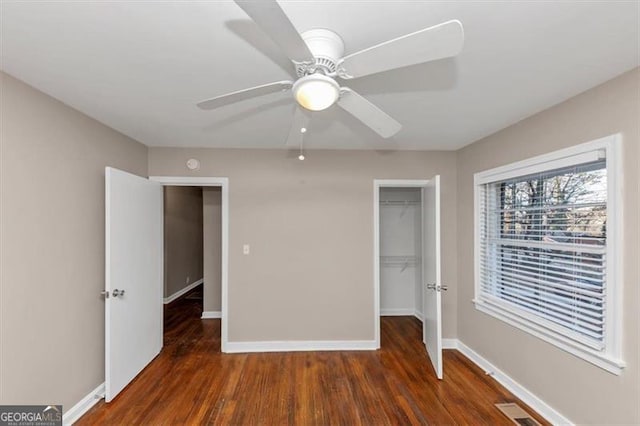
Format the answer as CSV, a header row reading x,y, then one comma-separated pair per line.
x,y
401,251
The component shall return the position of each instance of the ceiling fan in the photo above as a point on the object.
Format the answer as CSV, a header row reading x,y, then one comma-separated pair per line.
x,y
318,58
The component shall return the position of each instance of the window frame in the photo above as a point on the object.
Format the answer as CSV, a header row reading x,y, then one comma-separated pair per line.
x,y
609,358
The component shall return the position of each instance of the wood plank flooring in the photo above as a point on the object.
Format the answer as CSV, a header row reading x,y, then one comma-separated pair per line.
x,y
191,382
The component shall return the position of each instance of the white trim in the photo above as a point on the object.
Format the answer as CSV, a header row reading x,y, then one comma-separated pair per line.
x,y
615,243
576,154
404,312
418,315
302,345
185,290
376,263
609,359
190,180
74,413
450,343
222,182
377,184
211,314
533,401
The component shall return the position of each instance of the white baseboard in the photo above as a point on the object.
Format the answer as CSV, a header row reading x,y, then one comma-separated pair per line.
x,y
298,346
211,314
403,312
179,293
74,413
544,409
450,344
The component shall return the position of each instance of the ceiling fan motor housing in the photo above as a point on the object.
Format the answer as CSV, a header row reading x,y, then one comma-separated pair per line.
x,y
326,46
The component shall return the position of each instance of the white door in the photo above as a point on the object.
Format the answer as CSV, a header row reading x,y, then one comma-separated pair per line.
x,y
431,294
133,277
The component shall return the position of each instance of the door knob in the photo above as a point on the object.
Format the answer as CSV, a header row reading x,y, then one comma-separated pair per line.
x,y
436,287
105,293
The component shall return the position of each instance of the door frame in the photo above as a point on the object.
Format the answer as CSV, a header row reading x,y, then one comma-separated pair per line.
x,y
377,185
223,183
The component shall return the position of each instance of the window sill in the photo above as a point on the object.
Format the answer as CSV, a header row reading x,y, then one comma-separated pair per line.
x,y
608,363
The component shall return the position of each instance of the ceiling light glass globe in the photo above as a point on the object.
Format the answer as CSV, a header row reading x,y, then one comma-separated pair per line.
x,y
316,92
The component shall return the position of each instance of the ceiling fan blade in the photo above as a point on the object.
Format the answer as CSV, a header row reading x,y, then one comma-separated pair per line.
x,y
437,42
272,20
301,119
241,95
368,113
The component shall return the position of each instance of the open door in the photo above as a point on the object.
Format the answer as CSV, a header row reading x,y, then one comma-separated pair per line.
x,y
133,277
431,294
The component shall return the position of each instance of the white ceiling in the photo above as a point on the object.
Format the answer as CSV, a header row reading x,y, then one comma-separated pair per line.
x,y
141,66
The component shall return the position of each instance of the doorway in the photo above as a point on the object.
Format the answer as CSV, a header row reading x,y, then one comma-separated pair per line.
x,y
193,247
407,259
401,252
184,257
215,195
192,256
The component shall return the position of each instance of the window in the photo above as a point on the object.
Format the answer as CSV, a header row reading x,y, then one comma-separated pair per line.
x,y
545,249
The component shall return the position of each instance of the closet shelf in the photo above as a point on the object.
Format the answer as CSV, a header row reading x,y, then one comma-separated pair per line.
x,y
405,204
401,259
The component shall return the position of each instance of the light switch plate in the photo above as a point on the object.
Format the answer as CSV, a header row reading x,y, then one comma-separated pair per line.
x,y
245,249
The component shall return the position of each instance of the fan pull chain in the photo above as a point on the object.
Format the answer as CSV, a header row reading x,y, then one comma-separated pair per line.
x,y
303,130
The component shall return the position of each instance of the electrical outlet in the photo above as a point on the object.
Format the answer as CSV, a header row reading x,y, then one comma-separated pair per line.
x,y
188,279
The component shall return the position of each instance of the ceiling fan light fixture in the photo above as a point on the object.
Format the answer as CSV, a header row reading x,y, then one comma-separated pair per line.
x,y
316,92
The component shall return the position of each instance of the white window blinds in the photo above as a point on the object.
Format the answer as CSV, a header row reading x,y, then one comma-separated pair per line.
x,y
542,248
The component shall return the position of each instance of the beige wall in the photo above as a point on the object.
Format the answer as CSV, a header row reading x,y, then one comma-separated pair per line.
x,y
310,227
212,225
182,237
52,245
581,391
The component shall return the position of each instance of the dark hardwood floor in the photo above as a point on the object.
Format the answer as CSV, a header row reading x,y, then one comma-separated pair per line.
x,y
191,382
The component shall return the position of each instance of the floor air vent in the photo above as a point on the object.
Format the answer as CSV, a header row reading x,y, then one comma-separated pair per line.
x,y
517,414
